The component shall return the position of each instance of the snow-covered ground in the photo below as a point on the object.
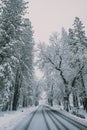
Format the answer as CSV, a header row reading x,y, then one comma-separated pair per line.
x,y
8,120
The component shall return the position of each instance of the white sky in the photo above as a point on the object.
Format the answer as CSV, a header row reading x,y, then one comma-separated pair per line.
x,y
48,16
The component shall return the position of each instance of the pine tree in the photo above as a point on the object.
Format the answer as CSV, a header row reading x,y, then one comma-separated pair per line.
x,y
79,32
27,61
78,43
10,32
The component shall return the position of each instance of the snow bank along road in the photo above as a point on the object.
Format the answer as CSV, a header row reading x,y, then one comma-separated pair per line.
x,y
46,118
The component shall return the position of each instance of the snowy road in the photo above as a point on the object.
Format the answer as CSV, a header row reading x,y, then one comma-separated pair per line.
x,y
46,118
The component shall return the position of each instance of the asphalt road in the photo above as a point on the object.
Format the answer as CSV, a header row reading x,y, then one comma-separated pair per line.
x,y
46,118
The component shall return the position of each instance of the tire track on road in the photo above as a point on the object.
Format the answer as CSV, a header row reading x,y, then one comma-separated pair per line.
x,y
59,125
47,124
33,114
76,124
69,120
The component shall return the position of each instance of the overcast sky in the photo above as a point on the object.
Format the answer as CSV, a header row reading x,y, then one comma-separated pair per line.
x,y
48,16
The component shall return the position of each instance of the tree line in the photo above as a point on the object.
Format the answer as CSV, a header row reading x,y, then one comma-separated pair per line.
x,y
64,64
16,55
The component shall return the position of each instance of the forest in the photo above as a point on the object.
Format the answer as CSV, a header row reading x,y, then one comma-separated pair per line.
x,y
62,62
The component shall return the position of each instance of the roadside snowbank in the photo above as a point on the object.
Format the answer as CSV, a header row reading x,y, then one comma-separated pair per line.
x,y
8,120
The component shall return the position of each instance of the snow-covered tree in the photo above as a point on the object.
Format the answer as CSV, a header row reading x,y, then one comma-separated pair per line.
x,y
64,61
10,18
51,59
12,42
27,61
78,61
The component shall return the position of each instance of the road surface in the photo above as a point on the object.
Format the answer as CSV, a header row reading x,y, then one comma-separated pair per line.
x,y
46,118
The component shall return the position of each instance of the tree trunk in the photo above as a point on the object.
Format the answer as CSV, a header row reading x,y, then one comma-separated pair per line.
x,y
66,100
74,92
75,99
50,102
84,93
24,101
67,93
16,90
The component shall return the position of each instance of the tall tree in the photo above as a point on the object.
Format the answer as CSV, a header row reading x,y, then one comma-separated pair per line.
x,y
10,40
27,61
52,59
78,43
